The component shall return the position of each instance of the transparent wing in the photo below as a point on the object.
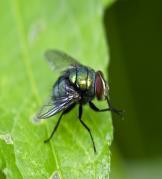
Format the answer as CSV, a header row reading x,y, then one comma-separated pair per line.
x,y
58,60
54,106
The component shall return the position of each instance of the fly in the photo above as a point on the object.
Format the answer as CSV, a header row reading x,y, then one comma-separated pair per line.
x,y
77,85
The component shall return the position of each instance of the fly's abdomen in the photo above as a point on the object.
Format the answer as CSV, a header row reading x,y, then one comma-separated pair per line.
x,y
59,88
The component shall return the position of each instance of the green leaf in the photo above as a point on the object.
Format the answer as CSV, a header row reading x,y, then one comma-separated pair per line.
x,y
28,28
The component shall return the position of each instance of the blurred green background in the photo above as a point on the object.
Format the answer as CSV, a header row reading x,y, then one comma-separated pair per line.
x,y
134,33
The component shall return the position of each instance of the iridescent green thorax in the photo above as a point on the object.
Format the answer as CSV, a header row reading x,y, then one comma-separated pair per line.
x,y
82,77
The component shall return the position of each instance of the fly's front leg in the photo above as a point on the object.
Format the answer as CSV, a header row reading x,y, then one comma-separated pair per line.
x,y
95,108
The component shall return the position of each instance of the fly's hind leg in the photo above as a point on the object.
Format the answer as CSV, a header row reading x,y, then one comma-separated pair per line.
x,y
58,122
54,129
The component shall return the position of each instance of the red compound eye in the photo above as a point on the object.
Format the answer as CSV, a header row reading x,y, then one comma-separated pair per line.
x,y
99,85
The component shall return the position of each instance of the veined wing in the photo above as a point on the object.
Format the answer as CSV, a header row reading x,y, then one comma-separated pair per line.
x,y
58,60
54,106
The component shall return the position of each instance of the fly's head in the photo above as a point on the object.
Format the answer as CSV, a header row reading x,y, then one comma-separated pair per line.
x,y
101,86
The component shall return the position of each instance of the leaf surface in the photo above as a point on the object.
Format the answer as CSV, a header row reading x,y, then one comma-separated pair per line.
x,y
28,29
